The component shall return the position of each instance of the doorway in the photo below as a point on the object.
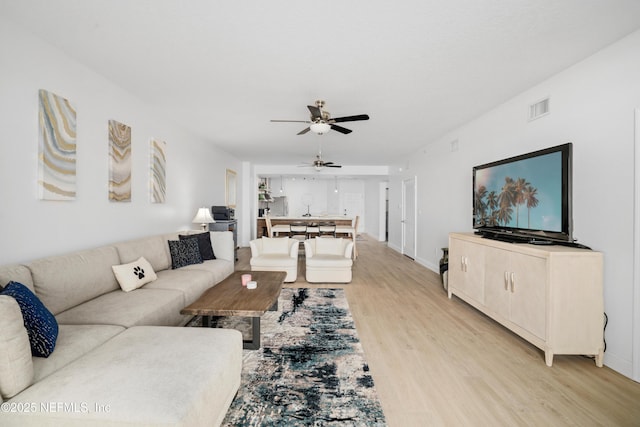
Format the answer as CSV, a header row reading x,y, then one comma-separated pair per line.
x,y
635,349
409,215
383,197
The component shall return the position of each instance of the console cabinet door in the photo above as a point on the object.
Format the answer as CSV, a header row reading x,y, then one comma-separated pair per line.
x,y
497,281
528,292
466,269
515,288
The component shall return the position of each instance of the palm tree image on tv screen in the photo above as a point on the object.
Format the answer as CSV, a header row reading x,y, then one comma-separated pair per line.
x,y
523,194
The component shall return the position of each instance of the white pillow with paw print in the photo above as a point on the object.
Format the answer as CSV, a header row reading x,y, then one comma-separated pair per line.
x,y
135,274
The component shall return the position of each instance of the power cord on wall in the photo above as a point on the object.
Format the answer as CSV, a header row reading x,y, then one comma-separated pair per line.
x,y
606,320
604,340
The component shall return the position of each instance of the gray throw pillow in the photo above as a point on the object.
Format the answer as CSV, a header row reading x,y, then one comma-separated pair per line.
x,y
184,252
204,243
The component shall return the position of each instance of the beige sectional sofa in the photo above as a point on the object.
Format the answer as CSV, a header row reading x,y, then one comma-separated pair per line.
x,y
119,358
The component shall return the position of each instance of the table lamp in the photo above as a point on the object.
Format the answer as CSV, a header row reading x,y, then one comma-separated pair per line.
x,y
204,218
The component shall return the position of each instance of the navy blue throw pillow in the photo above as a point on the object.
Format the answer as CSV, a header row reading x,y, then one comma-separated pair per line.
x,y
41,325
184,252
204,244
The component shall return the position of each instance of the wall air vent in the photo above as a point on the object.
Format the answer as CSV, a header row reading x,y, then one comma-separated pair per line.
x,y
539,109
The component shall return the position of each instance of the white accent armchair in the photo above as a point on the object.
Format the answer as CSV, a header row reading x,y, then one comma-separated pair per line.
x,y
275,254
328,260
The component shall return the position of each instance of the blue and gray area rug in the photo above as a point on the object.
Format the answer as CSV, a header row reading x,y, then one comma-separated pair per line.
x,y
311,369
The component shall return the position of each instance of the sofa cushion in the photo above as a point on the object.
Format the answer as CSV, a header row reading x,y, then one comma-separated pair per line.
x,y
16,273
218,269
64,281
153,249
135,274
73,342
204,244
273,245
273,260
41,325
329,261
191,283
139,307
184,252
329,246
16,367
140,374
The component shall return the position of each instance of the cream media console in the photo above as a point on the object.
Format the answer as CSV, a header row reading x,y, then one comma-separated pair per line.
x,y
551,296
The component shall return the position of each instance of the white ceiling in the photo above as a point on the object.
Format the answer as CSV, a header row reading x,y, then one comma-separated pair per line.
x,y
419,68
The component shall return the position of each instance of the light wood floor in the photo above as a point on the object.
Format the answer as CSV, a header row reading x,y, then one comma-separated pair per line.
x,y
439,362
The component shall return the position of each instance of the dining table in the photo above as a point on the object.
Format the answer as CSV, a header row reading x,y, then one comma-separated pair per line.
x,y
310,221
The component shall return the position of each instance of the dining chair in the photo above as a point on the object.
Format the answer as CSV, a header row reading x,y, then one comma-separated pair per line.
x,y
312,230
327,229
274,230
352,231
298,231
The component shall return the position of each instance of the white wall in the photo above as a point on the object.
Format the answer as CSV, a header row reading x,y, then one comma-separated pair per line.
x,y
592,105
31,228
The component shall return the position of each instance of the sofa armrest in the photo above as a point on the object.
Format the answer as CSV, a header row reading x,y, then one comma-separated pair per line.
x,y
348,249
308,249
222,242
295,247
255,246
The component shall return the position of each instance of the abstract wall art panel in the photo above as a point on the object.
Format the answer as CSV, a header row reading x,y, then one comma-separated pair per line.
x,y
119,162
56,148
157,163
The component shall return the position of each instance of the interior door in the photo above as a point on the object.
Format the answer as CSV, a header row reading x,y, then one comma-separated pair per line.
x,y
409,215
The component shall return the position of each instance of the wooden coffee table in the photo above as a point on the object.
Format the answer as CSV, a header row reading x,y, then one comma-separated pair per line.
x,y
230,298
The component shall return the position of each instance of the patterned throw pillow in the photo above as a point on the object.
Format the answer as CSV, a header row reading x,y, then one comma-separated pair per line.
x,y
16,363
41,325
204,243
184,252
135,274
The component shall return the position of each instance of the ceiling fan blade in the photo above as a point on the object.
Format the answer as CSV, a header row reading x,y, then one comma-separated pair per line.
x,y
350,118
341,129
315,112
332,166
291,121
303,131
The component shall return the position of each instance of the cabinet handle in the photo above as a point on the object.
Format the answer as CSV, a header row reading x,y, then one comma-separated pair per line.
x,y
513,281
464,261
506,280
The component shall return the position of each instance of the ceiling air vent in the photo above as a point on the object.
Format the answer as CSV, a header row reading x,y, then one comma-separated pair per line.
x,y
539,109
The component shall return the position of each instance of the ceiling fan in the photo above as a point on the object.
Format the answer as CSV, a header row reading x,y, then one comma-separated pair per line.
x,y
321,121
318,163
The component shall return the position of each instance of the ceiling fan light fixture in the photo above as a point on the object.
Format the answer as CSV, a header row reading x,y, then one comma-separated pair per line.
x,y
320,128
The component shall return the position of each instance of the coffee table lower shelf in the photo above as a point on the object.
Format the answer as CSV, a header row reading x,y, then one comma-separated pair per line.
x,y
229,298
254,342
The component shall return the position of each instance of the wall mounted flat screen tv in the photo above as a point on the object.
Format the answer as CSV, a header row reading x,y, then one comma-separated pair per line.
x,y
525,198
